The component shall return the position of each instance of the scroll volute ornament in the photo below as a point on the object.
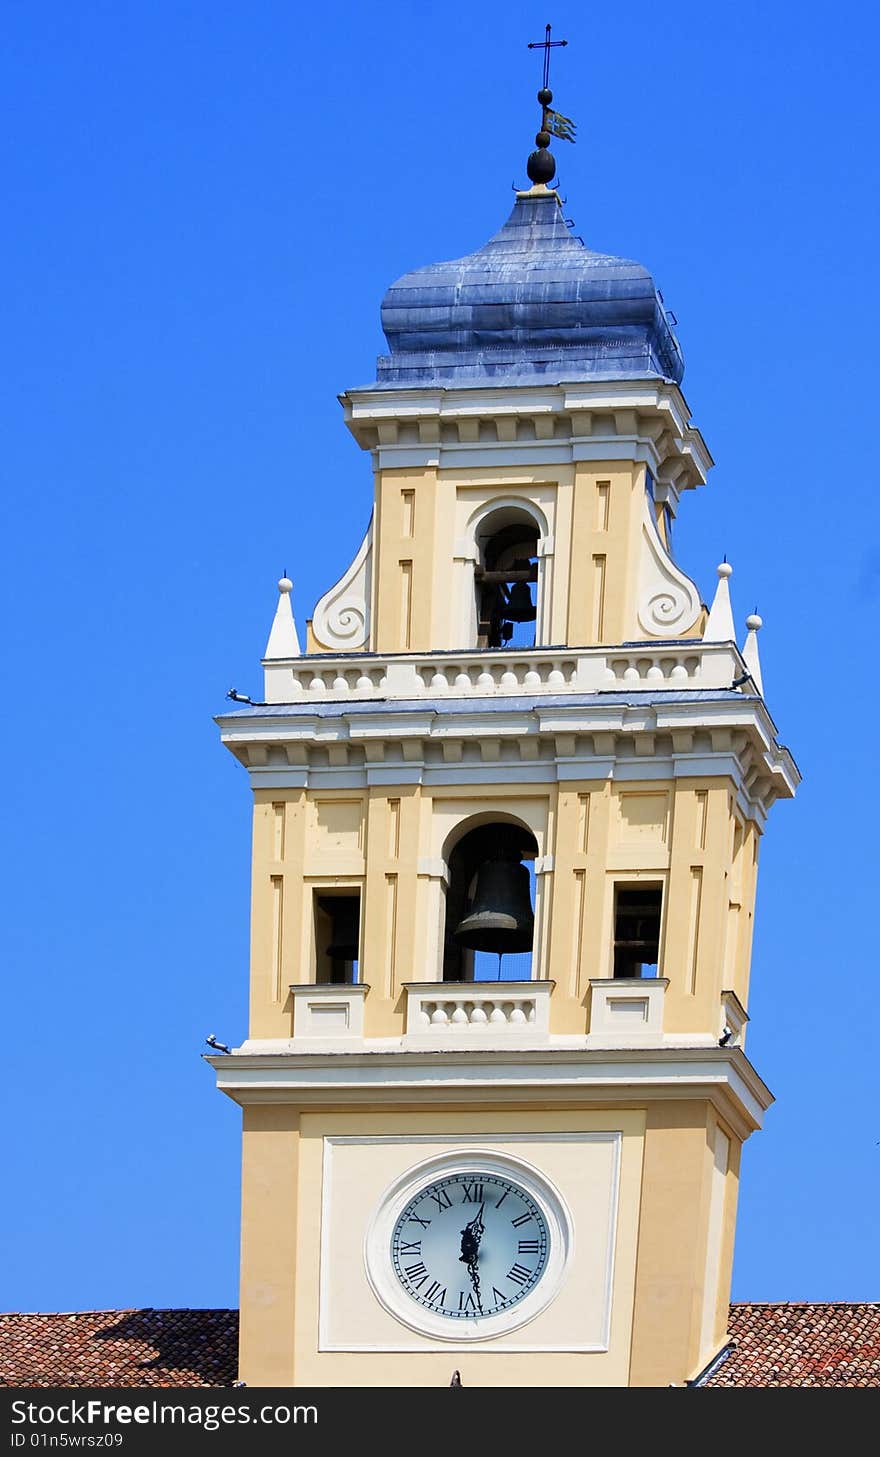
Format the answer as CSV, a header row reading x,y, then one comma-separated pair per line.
x,y
341,620
668,601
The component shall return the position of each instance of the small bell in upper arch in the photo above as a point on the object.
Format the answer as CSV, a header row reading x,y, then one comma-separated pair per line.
x,y
519,606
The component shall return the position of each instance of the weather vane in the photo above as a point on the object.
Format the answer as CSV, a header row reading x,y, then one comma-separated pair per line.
x,y
541,165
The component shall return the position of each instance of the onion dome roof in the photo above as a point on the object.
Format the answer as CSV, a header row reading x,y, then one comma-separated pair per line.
x,y
534,303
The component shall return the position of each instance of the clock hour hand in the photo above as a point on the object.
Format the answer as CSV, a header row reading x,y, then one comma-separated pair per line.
x,y
470,1250
471,1236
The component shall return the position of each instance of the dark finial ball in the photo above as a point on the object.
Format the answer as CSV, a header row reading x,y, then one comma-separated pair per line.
x,y
541,166
542,139
545,96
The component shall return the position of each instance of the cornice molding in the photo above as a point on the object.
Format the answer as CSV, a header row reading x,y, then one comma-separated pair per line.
x,y
499,742
450,429
349,1078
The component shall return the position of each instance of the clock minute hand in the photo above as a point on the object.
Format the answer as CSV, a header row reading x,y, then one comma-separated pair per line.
x,y
470,1250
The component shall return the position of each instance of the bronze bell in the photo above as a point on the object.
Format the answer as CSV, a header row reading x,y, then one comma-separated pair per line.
x,y
500,918
520,607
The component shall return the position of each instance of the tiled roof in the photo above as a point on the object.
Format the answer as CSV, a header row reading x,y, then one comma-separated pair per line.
x,y
120,1348
802,1344
775,1345
534,303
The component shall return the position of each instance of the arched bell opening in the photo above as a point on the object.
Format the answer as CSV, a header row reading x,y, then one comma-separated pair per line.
x,y
506,579
490,898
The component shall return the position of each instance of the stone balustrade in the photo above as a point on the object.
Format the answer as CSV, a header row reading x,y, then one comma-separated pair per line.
x,y
624,1012
444,1011
644,667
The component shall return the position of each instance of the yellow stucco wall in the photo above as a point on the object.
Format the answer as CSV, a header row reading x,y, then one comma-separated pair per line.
x,y
589,517
672,1339
270,1190
660,1248
388,843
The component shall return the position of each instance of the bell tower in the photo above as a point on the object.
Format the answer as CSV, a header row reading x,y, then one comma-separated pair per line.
x,y
508,802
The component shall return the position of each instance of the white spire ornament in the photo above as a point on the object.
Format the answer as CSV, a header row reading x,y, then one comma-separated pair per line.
x,y
750,654
283,641
720,626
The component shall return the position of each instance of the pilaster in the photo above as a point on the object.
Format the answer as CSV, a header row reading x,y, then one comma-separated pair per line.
x,y
270,1189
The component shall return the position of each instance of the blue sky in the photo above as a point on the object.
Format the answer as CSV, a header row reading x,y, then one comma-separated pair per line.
x,y
204,205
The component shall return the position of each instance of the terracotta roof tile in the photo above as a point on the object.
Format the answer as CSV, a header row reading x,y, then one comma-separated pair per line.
x,y
775,1345
120,1348
802,1344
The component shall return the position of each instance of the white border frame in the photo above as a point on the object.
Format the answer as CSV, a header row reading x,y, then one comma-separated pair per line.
x,y
479,1148
377,1245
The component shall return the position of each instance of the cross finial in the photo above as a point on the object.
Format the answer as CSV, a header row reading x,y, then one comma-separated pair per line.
x,y
541,165
546,45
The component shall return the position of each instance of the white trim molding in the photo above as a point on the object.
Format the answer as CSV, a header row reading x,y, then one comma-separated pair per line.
x,y
329,1012
477,1161
734,1017
650,422
519,741
539,1077
581,1213
627,1011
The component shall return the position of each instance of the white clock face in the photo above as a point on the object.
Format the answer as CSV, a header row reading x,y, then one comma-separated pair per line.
x,y
470,1245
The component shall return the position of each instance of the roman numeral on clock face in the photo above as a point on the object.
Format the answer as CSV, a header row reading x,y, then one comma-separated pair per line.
x,y
523,1219
472,1194
416,1274
528,1247
441,1199
519,1274
434,1292
425,1223
467,1302
414,1248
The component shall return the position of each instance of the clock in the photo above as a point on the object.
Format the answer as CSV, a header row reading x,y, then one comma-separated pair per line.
x,y
468,1247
